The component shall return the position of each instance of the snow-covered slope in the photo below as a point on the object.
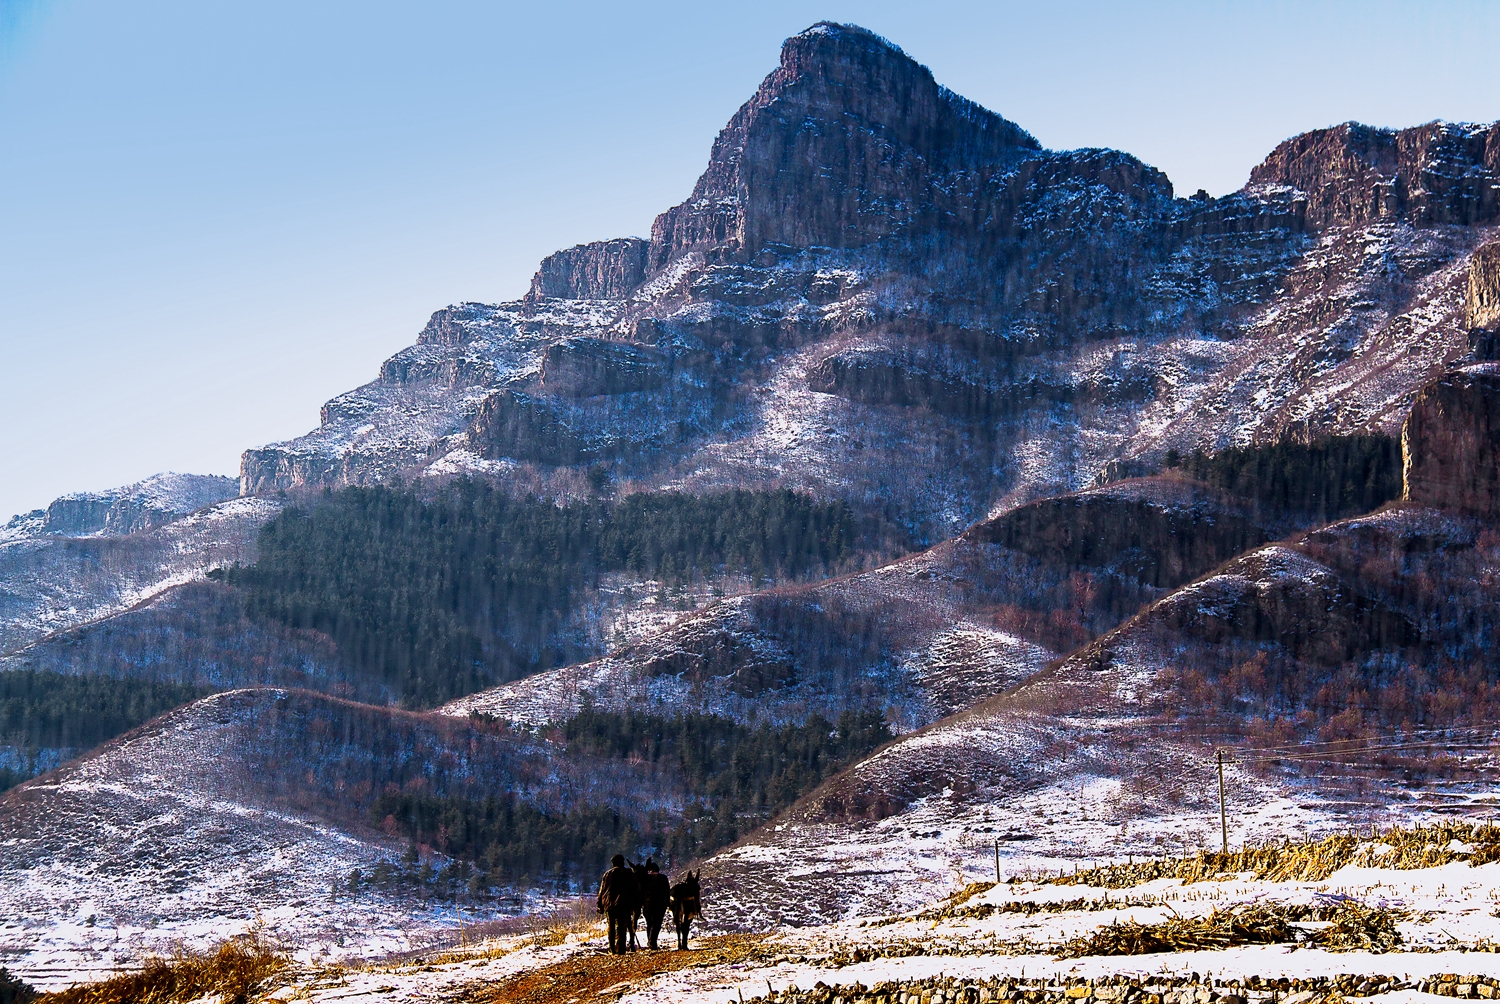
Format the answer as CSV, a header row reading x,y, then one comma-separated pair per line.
x,y
251,807
1110,752
49,582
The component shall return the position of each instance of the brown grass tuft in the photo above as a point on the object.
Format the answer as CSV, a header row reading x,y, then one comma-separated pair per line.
x,y
234,972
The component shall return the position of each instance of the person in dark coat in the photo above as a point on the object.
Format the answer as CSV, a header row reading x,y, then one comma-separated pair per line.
x,y
654,899
617,894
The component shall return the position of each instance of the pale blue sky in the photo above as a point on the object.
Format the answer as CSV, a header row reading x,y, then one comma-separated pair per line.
x,y
215,216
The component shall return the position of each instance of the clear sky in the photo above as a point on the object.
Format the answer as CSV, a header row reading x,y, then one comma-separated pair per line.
x,y
215,216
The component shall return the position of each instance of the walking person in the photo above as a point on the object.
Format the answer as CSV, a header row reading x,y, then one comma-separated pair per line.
x,y
655,897
617,894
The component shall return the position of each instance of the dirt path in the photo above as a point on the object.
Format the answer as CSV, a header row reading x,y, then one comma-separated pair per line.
x,y
601,977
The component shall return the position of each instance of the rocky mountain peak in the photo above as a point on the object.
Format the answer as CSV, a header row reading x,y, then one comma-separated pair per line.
x,y
1356,174
831,149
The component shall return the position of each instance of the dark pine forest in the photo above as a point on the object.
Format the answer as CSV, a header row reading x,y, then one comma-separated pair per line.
x,y
1323,481
448,594
737,776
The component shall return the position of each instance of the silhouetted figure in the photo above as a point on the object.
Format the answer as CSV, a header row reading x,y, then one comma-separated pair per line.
x,y
617,895
656,896
687,904
639,873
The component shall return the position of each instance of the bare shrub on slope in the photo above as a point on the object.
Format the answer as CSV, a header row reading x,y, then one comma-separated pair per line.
x,y
231,973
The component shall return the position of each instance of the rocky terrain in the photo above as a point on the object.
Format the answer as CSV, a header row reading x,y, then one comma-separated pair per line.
x,y
876,276
145,505
92,555
882,296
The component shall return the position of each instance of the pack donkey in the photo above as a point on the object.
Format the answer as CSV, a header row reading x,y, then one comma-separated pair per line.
x,y
687,904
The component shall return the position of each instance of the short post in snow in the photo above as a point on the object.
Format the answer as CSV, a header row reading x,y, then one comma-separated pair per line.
x,y
997,860
1223,815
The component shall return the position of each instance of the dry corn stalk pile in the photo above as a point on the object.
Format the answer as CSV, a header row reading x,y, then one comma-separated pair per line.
x,y
1312,861
1025,907
1350,926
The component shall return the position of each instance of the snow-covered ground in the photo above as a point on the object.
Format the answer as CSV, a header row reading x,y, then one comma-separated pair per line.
x,y
50,583
1446,918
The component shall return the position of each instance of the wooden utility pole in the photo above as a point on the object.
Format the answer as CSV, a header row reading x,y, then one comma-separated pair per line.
x,y
997,860
1223,815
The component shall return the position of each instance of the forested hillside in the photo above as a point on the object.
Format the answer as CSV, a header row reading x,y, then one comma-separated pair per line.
x,y
444,595
430,596
44,714
736,778
1325,480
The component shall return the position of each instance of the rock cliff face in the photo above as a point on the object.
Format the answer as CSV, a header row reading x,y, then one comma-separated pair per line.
x,y
1450,445
1439,173
588,367
1482,303
148,504
880,291
602,270
847,142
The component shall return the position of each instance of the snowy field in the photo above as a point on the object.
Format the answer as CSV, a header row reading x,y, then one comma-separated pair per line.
x,y
1445,915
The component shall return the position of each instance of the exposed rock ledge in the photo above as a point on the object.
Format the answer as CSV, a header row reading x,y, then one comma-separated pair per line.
x,y
1450,444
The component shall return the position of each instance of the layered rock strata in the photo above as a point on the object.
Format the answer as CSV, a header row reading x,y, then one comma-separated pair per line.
x,y
602,270
1438,173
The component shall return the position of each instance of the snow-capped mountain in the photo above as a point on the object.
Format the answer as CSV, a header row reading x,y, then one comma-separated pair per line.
x,y
91,555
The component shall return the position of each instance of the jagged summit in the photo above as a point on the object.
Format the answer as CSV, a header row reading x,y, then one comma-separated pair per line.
x,y
881,291
836,148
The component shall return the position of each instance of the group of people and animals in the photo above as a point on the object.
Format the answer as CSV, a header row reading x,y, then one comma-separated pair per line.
x,y
630,893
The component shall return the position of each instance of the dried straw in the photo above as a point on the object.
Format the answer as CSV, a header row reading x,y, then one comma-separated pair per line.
x,y
1310,861
1350,927
234,972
